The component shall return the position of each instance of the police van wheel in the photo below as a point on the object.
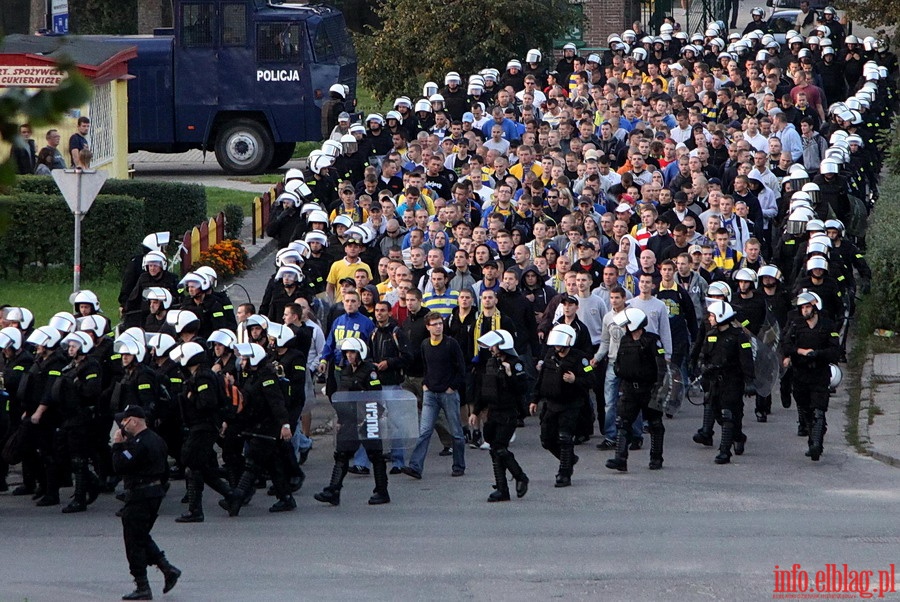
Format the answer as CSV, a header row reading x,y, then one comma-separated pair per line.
x,y
244,147
284,151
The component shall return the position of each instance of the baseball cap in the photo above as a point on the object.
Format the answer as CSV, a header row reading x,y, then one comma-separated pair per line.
x,y
591,154
585,244
344,116
131,411
569,299
623,207
348,280
695,249
468,117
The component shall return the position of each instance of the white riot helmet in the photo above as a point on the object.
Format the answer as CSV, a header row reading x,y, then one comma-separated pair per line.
x,y
156,241
337,89
300,247
533,56
452,77
197,279
809,298
98,325
771,271
21,315
44,336
10,337
287,256
391,115
514,64
719,289
291,271
135,333
293,174
835,224
127,345
342,220
357,345
562,335
821,248
837,375
210,273
721,311
815,225
188,354
816,263
161,343
63,322
154,257
158,293
288,198
427,90
423,105
85,296
502,338
315,236
332,148
254,353
280,333
631,319
82,339
223,337
298,188
182,320
829,167
746,275
257,320
317,216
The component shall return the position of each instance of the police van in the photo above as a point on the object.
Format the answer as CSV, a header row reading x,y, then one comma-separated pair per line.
x,y
243,78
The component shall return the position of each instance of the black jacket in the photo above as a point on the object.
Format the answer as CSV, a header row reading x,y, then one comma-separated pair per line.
x,y
389,344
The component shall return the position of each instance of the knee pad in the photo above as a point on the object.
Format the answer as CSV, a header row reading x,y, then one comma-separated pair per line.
x,y
620,423
817,414
548,443
501,453
657,427
341,456
727,416
566,439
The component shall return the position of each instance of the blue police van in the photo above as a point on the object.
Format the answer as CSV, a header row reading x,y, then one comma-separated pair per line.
x,y
243,78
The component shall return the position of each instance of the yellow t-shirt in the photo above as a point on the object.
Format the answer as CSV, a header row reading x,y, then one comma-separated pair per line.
x,y
341,269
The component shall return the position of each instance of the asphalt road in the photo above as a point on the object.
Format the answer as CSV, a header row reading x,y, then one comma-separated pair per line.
x,y
693,531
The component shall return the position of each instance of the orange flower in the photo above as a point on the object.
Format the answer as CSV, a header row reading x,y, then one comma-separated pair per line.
x,y
228,258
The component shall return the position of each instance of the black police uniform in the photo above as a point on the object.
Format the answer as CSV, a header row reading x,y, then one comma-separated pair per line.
x,y
563,404
136,307
77,392
201,401
812,373
141,461
35,391
727,359
210,311
641,367
501,394
11,408
260,421
362,377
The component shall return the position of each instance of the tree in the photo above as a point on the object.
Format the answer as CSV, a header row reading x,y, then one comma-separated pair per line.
x,y
424,40
872,13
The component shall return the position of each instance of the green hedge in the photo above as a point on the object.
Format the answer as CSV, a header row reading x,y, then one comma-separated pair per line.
x,y
170,206
38,229
882,252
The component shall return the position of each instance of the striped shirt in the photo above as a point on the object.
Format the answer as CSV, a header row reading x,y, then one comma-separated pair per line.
x,y
442,304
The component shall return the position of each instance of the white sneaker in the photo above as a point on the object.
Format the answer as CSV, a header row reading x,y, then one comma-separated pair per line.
x,y
513,438
485,445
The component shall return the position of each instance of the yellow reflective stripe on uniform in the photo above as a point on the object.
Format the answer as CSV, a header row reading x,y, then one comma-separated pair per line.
x,y
374,382
218,314
228,307
319,279
115,356
745,322
712,339
143,387
746,345
661,351
859,256
175,380
840,278
588,369
268,383
834,334
299,367
19,368
90,376
55,373
202,388
790,242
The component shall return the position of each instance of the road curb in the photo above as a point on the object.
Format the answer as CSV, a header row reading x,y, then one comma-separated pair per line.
x,y
867,395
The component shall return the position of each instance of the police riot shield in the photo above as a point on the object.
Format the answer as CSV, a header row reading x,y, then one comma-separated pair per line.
x,y
859,217
671,393
765,365
377,420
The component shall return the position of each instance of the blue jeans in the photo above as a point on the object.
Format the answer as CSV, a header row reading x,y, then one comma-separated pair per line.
x,y
432,404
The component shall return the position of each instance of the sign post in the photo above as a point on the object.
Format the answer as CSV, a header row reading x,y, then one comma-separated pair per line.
x,y
79,187
59,11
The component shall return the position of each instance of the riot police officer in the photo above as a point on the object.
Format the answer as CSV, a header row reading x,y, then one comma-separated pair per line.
x,y
563,384
727,360
139,455
357,374
16,362
810,345
201,403
263,421
641,368
503,384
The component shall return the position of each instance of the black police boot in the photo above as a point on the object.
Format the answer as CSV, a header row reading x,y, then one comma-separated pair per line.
x,y
704,436
285,503
169,571
726,442
803,424
141,590
512,465
817,436
78,504
331,494
566,461
193,481
380,493
657,434
501,487
620,461
241,494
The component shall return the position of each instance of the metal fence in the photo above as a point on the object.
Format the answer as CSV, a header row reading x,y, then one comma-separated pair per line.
x,y
102,133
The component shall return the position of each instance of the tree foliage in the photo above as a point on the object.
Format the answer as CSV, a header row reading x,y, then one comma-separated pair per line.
x,y
110,17
424,40
872,13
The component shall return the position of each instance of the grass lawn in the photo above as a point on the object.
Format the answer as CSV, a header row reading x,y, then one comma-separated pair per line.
x,y
217,198
266,178
46,298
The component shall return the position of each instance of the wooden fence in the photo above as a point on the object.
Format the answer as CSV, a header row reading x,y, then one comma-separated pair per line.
x,y
199,239
262,206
